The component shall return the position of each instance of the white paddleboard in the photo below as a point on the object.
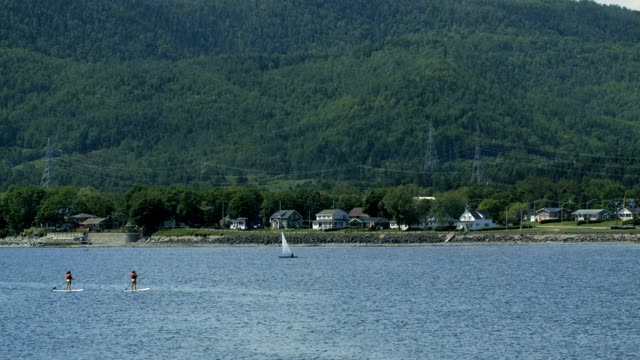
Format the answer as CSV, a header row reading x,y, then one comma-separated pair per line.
x,y
65,290
137,290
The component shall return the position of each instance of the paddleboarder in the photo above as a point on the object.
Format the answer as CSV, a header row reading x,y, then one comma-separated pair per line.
x,y
134,281
69,278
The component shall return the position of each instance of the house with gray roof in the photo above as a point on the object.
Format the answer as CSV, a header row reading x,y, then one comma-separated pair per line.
x,y
475,220
97,223
286,219
594,215
331,219
556,213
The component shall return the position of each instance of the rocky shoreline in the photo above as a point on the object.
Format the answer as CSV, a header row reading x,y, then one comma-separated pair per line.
x,y
398,239
349,239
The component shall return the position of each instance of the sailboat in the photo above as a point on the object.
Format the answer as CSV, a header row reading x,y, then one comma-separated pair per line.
x,y
286,250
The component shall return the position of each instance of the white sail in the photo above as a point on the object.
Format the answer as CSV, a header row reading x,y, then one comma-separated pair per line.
x,y
286,250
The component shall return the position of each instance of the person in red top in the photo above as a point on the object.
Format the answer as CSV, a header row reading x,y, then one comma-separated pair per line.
x,y
134,280
69,278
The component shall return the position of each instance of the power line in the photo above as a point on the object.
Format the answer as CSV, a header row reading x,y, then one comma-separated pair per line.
x,y
475,173
46,181
430,156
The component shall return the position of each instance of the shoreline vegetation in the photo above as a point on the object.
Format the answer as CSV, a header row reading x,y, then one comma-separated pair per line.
x,y
271,238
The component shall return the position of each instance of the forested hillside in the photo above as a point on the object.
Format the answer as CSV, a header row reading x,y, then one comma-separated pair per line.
x,y
268,92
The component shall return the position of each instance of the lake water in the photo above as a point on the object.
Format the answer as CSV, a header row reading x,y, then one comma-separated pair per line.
x,y
433,302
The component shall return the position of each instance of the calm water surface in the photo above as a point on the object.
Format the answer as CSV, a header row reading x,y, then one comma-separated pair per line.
x,y
482,302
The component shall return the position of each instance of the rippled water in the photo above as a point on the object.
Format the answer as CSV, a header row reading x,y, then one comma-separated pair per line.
x,y
479,302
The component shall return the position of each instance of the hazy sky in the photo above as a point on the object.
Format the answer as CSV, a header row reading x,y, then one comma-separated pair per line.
x,y
631,4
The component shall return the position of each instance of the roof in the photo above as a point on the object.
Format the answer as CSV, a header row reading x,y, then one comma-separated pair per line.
x,y
358,212
479,214
283,214
329,211
93,221
83,216
554,209
588,211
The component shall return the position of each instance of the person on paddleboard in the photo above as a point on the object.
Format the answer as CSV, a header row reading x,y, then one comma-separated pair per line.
x,y
134,281
68,278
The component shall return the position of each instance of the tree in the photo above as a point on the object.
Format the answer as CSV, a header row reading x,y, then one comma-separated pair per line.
x,y
245,203
423,208
310,202
400,204
274,201
57,206
516,212
189,209
21,206
494,207
347,202
212,206
90,201
448,205
148,210
372,203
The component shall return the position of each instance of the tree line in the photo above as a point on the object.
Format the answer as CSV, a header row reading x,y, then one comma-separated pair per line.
x,y
24,208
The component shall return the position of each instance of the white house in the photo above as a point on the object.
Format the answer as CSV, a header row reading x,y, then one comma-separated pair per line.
x,y
475,220
629,213
394,225
331,219
240,224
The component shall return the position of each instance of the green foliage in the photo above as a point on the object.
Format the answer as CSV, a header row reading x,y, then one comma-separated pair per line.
x,y
516,212
58,205
325,101
449,205
20,206
90,201
549,221
147,209
495,208
400,204
245,202
372,203
229,93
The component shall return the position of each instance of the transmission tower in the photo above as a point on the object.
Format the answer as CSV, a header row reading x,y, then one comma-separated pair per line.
x,y
475,174
430,156
47,175
203,169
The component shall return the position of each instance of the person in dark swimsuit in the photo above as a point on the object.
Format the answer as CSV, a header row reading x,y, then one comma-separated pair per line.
x,y
69,279
134,281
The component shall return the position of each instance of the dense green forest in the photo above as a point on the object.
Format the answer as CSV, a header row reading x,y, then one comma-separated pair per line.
x,y
296,93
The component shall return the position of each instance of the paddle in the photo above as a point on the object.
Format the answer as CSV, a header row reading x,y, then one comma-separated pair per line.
x,y
55,287
63,285
138,278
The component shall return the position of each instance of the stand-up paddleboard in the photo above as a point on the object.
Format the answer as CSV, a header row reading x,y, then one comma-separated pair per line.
x,y
138,290
65,290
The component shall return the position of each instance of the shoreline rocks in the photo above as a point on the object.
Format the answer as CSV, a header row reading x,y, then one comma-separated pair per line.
x,y
344,238
389,239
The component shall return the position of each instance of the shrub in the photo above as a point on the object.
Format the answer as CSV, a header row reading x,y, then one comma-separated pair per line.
x,y
445,228
549,221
